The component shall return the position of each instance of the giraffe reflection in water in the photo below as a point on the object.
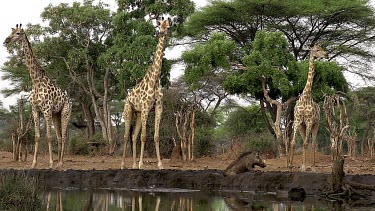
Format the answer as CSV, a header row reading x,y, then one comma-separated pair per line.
x,y
179,201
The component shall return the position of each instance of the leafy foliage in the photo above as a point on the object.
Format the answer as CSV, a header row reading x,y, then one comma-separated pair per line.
x,y
344,26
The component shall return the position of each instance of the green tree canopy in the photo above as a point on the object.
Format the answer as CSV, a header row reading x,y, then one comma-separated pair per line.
x,y
345,27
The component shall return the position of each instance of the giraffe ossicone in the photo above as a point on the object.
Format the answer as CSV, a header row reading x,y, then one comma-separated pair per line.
x,y
146,94
45,98
307,112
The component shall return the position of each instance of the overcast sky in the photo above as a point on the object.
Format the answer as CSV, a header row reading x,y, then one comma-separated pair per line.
x,y
28,11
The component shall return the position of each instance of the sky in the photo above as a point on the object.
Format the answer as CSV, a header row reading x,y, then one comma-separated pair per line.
x,y
28,11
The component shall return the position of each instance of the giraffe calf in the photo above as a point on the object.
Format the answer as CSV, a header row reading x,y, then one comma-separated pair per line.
x,y
245,162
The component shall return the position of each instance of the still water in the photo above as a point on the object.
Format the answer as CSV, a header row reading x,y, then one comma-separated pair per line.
x,y
181,200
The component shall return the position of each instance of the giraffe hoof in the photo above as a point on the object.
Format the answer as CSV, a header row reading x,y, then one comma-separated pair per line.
x,y
59,166
122,166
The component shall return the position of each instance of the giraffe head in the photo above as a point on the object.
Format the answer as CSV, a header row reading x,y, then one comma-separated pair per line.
x,y
15,36
318,52
164,25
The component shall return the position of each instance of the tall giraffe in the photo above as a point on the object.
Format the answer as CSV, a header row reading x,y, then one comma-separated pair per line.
x,y
141,99
45,98
307,112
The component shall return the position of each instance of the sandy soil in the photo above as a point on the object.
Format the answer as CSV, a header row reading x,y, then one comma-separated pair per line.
x,y
358,165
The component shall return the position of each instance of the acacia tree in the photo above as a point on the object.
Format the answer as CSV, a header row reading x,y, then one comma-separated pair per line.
x,y
134,40
84,31
134,43
300,28
363,114
70,47
346,26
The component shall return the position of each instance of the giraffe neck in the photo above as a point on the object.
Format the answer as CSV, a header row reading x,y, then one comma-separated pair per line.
x,y
35,70
310,78
153,73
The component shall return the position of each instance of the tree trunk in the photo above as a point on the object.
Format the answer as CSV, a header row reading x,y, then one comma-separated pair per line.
x,y
102,114
192,134
86,107
338,175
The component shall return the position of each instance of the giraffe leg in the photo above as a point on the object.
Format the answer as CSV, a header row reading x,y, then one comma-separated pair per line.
x,y
314,133
36,116
57,124
128,115
65,117
292,147
138,124
158,111
296,127
144,116
48,121
305,145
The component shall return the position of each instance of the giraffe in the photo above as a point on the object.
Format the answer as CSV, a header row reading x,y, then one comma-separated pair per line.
x,y
307,112
140,100
45,98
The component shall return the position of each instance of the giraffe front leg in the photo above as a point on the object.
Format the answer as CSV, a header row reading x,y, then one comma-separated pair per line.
x,y
48,120
305,146
57,124
313,137
158,111
144,116
65,117
128,115
138,125
291,150
36,117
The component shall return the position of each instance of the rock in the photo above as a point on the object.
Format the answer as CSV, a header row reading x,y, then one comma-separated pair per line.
x,y
297,194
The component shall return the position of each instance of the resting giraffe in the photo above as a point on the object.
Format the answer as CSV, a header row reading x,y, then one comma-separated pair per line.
x,y
307,112
45,98
141,99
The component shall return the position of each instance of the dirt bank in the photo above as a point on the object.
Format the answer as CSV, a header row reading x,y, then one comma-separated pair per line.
x,y
204,173
206,180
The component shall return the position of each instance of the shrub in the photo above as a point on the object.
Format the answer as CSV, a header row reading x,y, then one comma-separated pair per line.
x,y
78,145
203,142
264,144
19,192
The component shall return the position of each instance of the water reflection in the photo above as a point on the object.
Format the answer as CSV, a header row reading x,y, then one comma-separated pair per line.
x,y
178,200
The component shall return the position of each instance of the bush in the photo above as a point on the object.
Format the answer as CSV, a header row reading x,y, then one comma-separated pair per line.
x,y
265,145
78,145
203,142
19,192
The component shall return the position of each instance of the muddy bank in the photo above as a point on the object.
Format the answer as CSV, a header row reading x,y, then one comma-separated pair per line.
x,y
188,179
